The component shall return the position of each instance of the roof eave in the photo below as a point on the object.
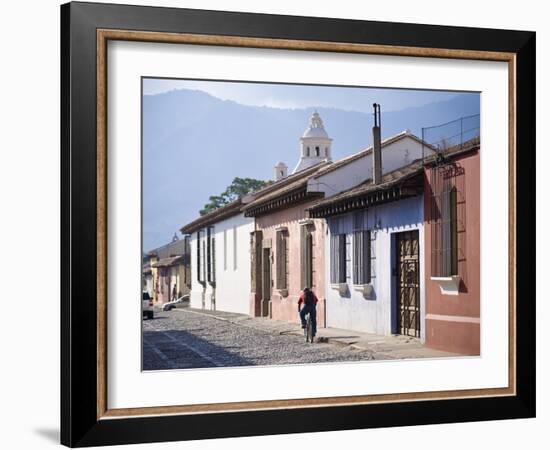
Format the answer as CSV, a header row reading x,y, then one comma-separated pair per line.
x,y
213,217
286,200
367,200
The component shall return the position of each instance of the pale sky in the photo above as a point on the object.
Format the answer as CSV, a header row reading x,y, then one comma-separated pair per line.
x,y
300,96
174,131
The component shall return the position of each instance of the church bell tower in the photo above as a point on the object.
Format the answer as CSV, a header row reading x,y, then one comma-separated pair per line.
x,y
315,144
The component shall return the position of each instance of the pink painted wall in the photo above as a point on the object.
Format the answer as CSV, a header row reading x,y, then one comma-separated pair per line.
x,y
453,322
285,308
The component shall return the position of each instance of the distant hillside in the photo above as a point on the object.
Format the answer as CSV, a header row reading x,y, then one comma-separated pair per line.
x,y
195,144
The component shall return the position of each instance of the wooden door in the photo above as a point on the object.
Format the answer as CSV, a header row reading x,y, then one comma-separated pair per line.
x,y
266,280
408,283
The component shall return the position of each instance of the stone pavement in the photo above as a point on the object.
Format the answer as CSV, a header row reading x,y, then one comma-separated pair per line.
x,y
187,339
381,347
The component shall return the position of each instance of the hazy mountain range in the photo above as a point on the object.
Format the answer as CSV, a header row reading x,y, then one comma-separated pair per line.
x,y
194,144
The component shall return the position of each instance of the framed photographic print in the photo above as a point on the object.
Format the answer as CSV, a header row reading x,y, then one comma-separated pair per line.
x,y
329,224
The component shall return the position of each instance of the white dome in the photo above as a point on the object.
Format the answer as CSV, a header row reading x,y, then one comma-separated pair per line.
x,y
315,128
315,133
280,164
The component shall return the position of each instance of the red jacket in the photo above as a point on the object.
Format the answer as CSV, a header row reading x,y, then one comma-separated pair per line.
x,y
301,299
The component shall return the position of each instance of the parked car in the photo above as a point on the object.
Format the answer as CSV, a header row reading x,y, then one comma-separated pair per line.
x,y
171,305
147,305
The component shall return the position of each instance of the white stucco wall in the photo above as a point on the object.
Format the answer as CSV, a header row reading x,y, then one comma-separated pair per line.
x,y
353,311
232,267
394,155
233,284
197,289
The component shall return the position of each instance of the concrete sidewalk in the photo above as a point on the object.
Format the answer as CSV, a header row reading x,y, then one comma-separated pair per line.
x,y
383,347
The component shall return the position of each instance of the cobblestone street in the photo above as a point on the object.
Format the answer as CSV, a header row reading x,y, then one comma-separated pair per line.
x,y
181,339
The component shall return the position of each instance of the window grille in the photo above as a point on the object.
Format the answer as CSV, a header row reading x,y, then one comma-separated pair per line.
x,y
338,258
211,255
447,219
361,250
224,249
361,257
234,248
200,257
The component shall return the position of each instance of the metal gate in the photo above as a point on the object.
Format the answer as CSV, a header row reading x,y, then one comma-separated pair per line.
x,y
408,283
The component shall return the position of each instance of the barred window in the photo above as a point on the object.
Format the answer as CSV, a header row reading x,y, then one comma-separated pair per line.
x,y
361,257
201,250
338,258
449,248
224,249
282,259
447,219
210,255
213,260
234,248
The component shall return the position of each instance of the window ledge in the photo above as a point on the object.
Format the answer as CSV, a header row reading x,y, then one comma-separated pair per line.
x,y
283,293
366,289
342,288
448,285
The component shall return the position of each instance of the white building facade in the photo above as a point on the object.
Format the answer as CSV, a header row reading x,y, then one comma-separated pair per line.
x,y
373,284
368,302
397,151
220,260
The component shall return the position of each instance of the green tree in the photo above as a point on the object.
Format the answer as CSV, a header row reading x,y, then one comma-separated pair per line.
x,y
238,188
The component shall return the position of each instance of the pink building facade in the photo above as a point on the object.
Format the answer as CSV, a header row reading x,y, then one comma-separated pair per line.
x,y
286,248
291,257
452,239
